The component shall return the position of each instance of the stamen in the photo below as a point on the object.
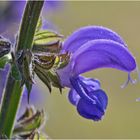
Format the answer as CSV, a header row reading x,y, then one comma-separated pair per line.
x,y
129,79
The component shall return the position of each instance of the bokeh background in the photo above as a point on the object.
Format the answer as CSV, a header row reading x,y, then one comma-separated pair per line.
x,y
122,118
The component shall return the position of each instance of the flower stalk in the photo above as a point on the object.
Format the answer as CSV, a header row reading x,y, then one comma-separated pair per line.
x,y
13,91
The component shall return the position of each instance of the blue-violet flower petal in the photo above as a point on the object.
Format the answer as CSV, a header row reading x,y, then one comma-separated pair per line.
x,y
88,33
102,54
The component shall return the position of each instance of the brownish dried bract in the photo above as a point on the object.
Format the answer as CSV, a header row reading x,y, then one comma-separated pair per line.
x,y
62,60
44,60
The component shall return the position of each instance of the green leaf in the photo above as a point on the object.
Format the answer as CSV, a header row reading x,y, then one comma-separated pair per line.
x,y
4,60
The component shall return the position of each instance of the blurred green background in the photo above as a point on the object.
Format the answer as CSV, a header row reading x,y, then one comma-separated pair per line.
x,y
122,118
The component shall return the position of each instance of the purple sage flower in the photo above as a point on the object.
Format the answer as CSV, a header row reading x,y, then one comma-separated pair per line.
x,y
93,47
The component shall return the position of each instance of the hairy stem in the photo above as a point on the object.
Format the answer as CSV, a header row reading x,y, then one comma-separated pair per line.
x,y
13,92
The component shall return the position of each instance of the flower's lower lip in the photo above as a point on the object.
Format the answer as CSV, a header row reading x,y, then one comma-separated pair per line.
x,y
90,103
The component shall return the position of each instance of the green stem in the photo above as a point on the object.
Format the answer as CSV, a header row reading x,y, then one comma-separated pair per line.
x,y
29,23
12,94
9,105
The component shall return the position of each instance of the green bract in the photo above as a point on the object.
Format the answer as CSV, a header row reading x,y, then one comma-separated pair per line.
x,y
4,60
47,41
28,124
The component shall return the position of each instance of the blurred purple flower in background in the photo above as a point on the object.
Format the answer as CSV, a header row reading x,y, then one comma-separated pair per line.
x,y
93,47
11,14
13,10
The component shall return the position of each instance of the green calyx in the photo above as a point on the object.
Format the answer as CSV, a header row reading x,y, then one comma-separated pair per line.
x,y
29,124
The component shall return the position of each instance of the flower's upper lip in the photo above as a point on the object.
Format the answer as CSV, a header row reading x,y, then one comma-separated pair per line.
x,y
95,47
88,33
102,53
